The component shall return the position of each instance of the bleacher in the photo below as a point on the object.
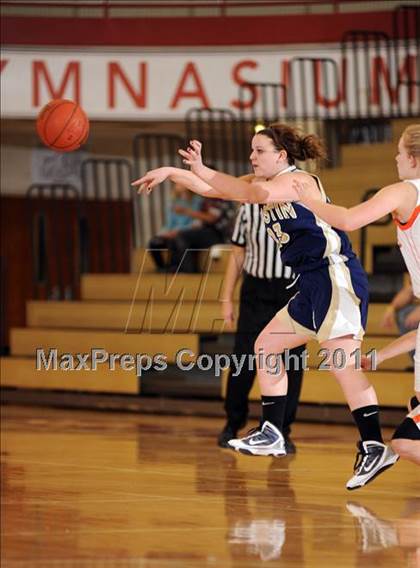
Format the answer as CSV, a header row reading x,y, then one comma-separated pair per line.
x,y
171,325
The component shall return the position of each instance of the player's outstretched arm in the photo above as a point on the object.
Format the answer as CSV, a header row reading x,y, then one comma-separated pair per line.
x,y
403,344
237,189
385,201
183,177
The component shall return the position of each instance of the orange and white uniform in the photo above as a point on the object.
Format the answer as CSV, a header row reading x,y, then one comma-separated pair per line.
x,y
409,240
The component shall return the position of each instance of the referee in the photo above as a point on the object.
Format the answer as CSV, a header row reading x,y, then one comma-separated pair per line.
x,y
267,287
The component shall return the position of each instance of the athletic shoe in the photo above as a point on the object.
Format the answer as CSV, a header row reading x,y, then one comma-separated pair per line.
x,y
375,534
264,441
372,459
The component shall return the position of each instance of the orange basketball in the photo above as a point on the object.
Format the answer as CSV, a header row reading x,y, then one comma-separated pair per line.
x,y
62,125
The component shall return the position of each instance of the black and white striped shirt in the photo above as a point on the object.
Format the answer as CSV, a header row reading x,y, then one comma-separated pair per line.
x,y
262,258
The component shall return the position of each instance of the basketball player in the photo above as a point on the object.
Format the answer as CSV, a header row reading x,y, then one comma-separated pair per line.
x,y
402,199
267,286
332,302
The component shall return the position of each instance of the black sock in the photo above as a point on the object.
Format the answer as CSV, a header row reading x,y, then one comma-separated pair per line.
x,y
367,420
273,409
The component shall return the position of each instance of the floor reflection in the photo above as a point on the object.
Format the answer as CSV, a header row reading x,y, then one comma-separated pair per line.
x,y
259,512
375,534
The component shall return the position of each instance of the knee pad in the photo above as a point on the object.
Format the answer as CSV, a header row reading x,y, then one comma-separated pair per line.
x,y
413,403
407,430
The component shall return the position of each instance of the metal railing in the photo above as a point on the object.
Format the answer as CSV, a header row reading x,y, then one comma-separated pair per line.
x,y
54,216
376,76
262,102
219,128
314,90
75,232
107,222
406,24
152,151
362,96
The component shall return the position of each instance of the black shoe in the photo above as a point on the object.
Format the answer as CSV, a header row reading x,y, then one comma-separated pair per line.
x,y
228,433
289,446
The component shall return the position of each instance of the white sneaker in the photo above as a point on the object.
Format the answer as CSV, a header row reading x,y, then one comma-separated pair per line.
x,y
264,441
372,459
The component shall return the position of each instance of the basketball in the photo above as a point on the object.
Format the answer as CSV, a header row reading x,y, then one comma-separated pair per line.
x,y
62,125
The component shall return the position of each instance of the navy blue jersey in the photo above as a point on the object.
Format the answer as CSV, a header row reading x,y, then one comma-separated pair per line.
x,y
305,241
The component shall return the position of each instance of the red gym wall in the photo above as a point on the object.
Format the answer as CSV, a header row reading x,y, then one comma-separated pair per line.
x,y
211,31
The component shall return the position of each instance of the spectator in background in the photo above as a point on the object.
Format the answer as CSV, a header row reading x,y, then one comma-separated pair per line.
x,y
216,220
176,220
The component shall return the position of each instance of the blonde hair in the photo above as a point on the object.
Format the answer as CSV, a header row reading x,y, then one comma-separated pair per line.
x,y
411,139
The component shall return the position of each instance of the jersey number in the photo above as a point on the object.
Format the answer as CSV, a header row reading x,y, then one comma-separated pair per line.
x,y
278,235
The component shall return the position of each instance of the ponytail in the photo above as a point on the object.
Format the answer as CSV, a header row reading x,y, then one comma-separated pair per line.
x,y
311,148
298,147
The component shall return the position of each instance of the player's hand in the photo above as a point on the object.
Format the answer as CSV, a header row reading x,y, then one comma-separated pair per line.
x,y
371,361
366,363
303,190
228,313
151,179
192,155
413,318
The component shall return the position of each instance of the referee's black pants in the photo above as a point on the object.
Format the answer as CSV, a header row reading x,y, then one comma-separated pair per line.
x,y
260,300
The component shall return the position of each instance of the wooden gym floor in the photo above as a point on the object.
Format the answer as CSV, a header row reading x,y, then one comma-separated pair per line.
x,y
100,489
